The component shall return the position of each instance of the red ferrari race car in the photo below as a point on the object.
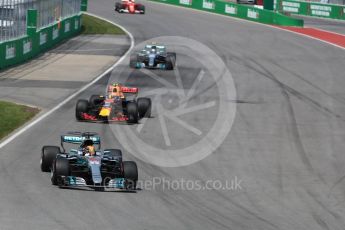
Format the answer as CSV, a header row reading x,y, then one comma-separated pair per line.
x,y
129,6
114,106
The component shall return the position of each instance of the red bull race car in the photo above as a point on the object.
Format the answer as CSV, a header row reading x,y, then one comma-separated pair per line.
x,y
114,107
129,6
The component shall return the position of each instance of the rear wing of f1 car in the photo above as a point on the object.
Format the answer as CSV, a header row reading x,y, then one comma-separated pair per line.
x,y
129,89
124,89
79,138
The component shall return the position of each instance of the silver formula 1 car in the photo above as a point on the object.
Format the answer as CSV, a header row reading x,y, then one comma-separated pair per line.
x,y
88,166
153,57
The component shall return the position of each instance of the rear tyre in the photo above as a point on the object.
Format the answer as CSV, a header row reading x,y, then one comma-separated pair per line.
x,y
95,100
114,153
170,62
81,107
133,62
60,168
141,8
48,156
132,112
173,55
130,170
144,107
117,6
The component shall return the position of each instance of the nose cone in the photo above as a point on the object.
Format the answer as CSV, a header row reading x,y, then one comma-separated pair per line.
x,y
131,8
152,59
105,112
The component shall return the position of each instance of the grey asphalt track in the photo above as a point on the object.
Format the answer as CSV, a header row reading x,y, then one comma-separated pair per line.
x,y
286,145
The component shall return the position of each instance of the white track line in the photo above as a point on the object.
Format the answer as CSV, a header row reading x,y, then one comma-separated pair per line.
x,y
43,116
244,20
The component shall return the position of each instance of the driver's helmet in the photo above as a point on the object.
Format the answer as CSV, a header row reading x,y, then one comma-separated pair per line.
x,y
88,142
117,87
88,147
115,90
153,49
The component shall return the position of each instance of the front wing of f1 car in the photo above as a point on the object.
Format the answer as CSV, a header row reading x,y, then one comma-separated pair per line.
x,y
116,184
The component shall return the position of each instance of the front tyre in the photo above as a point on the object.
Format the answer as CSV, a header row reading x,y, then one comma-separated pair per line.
x,y
81,107
60,168
132,112
130,174
170,62
144,107
48,156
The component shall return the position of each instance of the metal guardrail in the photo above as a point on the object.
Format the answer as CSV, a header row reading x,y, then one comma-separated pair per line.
x,y
13,14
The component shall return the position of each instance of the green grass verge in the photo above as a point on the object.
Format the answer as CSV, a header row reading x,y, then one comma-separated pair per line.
x,y
93,25
12,116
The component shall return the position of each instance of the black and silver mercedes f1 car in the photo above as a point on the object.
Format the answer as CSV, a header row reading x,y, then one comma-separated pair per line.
x,y
88,166
153,57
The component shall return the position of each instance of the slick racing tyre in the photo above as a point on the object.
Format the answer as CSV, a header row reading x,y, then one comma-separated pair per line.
x,y
170,61
173,55
144,107
95,100
48,156
130,174
60,168
132,112
114,153
141,8
117,6
133,62
81,107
